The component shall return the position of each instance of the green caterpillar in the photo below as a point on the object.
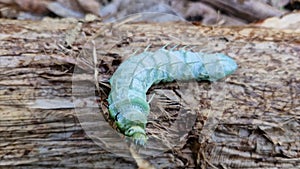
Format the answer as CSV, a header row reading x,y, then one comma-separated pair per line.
x,y
127,99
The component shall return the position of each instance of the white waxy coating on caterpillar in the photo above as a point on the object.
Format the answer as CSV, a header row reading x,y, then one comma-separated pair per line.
x,y
127,100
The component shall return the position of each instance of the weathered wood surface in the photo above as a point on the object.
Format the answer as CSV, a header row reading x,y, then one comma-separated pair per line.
x,y
256,124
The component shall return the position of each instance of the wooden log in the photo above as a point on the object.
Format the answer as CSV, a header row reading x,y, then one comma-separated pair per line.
x,y
249,120
249,10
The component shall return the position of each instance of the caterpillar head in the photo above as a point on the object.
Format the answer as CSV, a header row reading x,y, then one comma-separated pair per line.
x,y
132,124
217,66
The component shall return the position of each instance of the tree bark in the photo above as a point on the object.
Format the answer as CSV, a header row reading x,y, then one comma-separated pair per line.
x,y
251,119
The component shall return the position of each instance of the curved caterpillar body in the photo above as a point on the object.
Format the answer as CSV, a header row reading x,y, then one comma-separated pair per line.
x,y
127,100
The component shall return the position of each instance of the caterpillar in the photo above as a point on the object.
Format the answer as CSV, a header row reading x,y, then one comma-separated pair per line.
x,y
128,106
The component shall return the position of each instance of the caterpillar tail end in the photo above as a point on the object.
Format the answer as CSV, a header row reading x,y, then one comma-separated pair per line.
x,y
139,139
138,135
